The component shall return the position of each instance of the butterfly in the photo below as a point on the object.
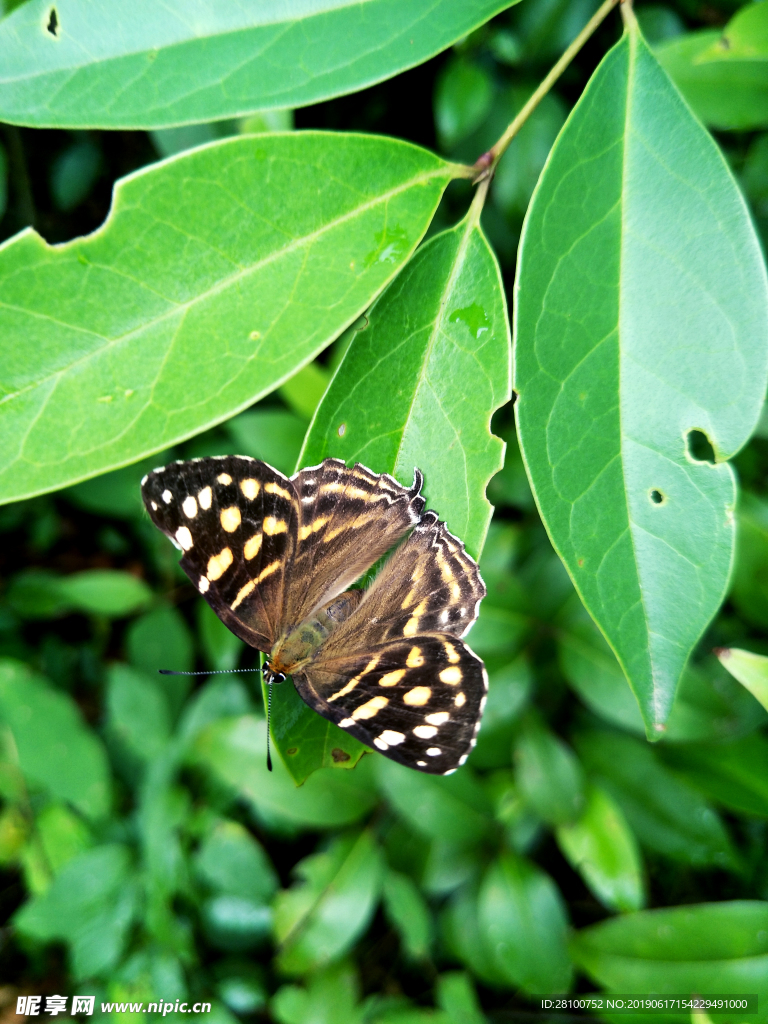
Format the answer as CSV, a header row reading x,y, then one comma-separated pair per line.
x,y
276,559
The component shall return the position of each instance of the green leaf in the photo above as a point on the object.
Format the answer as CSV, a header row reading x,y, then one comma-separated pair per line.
x,y
330,998
236,923
497,632
452,808
230,861
468,940
394,404
307,741
751,670
73,173
160,639
162,68
36,594
522,913
221,647
508,691
107,592
709,947
463,97
90,905
303,391
456,995
272,435
125,351
42,594
548,775
235,749
749,588
116,494
63,835
137,712
56,751
665,813
218,698
603,849
724,93
640,282
318,920
407,913
724,76
733,774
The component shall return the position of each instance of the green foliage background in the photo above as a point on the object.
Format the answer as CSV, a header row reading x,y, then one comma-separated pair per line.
x,y
145,851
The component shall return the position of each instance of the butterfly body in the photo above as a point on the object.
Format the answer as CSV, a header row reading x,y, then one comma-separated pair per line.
x,y
276,559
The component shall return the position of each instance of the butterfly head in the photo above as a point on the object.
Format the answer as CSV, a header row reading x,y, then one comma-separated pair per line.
x,y
270,676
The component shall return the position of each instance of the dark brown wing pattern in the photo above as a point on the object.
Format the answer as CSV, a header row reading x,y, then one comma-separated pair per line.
x,y
428,585
236,520
419,701
348,519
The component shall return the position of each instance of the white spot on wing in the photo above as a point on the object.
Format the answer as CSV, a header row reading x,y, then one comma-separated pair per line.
x,y
203,585
434,752
184,537
166,496
189,507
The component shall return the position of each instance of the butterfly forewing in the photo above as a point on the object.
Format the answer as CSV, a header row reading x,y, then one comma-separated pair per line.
x,y
419,701
348,519
235,519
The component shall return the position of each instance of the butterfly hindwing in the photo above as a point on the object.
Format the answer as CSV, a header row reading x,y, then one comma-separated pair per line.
x,y
348,519
235,519
418,700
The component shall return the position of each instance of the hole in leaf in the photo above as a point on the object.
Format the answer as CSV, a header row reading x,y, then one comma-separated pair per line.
x,y
292,751
342,429
339,755
699,447
657,497
53,23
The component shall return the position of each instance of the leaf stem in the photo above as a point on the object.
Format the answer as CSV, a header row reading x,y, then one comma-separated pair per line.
x,y
486,164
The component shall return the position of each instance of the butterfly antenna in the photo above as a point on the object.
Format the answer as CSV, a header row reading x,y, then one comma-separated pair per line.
x,y
206,672
269,712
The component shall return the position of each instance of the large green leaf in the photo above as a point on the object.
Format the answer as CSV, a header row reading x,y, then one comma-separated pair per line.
x,y
94,65
217,274
56,752
704,948
421,379
641,324
724,76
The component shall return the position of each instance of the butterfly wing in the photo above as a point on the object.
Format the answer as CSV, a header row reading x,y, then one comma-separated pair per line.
x,y
348,519
418,700
236,520
428,585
